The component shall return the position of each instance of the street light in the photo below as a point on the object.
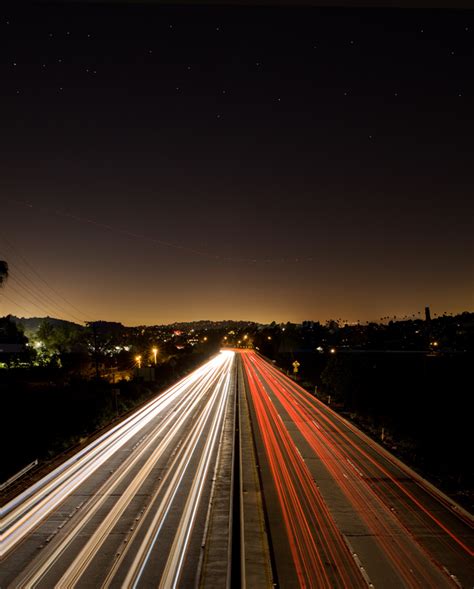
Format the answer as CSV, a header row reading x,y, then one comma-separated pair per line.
x,y
138,360
155,352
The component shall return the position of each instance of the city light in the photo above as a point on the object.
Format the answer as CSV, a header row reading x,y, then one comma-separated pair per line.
x,y
25,511
138,360
155,352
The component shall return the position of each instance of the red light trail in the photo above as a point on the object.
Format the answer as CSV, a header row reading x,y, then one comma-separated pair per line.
x,y
319,553
404,525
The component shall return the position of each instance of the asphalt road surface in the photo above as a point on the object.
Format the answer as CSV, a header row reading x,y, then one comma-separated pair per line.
x,y
235,469
131,508
342,511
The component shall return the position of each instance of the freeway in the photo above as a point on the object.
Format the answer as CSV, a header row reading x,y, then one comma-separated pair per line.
x,y
132,508
341,510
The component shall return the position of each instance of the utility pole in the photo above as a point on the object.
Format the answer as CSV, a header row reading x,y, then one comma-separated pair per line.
x,y
96,353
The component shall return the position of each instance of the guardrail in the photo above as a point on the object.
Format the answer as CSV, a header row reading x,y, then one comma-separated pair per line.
x,y
18,475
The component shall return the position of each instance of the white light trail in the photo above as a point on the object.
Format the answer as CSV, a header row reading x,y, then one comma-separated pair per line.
x,y
27,510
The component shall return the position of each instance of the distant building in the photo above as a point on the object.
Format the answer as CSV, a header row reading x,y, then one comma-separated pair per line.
x,y
427,314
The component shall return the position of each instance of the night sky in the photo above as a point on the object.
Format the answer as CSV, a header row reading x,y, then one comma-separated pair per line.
x,y
166,164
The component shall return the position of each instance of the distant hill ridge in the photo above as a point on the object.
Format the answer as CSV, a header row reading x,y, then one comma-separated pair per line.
x,y
32,324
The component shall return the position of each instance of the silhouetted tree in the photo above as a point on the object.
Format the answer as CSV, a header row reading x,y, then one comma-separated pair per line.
x,y
60,339
3,271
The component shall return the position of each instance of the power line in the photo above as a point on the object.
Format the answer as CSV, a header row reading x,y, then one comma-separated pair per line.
x,y
50,306
176,246
38,294
14,302
46,299
42,308
28,284
32,269
25,261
